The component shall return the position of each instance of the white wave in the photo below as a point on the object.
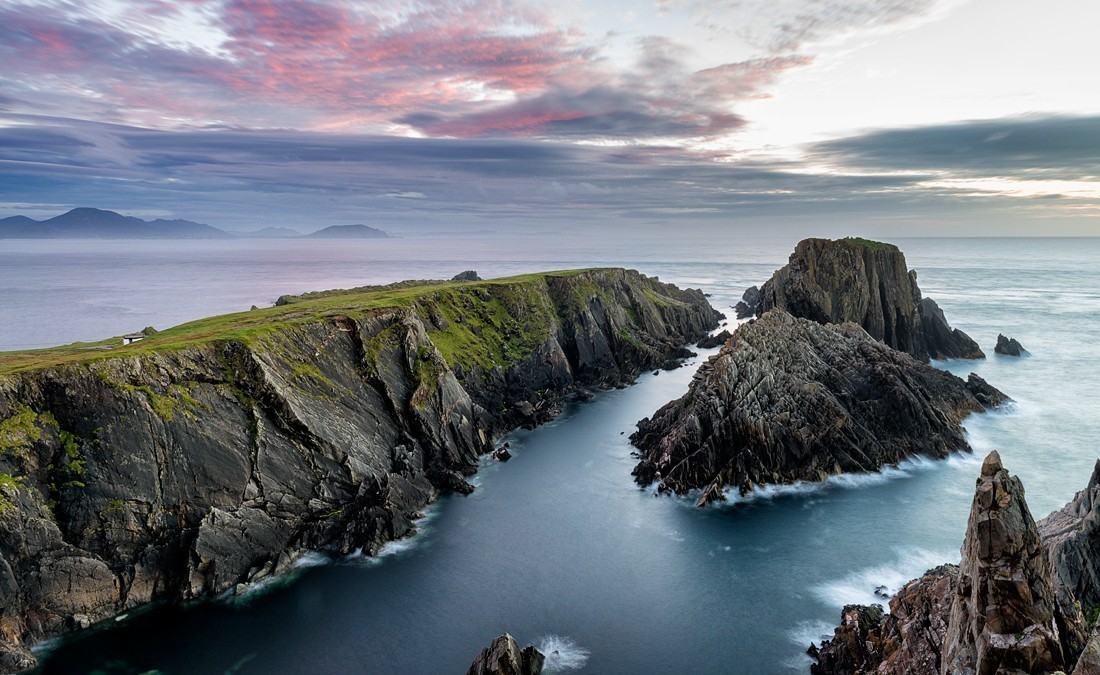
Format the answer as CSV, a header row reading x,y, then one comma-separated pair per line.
x,y
561,654
398,546
311,559
858,587
814,631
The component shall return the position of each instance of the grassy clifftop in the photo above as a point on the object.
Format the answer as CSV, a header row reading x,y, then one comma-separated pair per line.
x,y
464,314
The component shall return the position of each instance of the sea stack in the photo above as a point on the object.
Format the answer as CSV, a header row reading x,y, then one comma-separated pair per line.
x,y
1003,615
865,282
1009,346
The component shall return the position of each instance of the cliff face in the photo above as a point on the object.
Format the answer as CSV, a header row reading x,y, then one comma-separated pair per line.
x,y
1012,606
183,472
866,283
788,399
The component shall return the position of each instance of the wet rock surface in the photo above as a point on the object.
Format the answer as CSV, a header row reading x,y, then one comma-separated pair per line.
x,y
185,473
504,657
749,303
867,283
712,341
789,399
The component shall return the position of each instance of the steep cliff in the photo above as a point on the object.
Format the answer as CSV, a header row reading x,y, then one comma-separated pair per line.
x,y
1012,606
504,657
867,283
213,454
788,399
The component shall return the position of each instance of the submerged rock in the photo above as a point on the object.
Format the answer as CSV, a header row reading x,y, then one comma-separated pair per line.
x,y
1003,615
867,283
1009,346
789,399
503,657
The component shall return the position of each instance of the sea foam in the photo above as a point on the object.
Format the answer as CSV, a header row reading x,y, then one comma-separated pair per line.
x,y
562,654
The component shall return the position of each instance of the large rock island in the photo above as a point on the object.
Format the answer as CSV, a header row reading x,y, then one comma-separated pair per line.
x,y
213,454
832,378
788,399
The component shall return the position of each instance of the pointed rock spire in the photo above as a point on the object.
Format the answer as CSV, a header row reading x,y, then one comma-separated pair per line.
x,y
1003,617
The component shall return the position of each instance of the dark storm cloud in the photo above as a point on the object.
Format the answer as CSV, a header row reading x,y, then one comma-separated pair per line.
x,y
1062,148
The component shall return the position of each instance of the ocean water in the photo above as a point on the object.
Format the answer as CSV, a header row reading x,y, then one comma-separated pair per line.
x,y
558,546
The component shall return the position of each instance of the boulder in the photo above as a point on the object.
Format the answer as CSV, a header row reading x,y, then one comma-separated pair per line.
x,y
1009,346
468,275
503,657
867,283
748,304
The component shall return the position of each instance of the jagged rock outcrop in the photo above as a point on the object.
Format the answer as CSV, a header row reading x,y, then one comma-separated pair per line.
x,y
1009,346
1013,606
184,471
1003,616
468,275
1071,536
788,399
748,304
503,657
867,283
712,341
907,640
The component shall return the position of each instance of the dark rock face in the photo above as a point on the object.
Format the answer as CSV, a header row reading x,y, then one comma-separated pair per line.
x,y
468,275
1005,610
1003,615
503,657
1071,536
867,283
184,473
907,640
712,341
1009,346
749,303
788,399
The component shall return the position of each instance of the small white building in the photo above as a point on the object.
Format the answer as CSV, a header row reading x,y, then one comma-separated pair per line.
x,y
132,338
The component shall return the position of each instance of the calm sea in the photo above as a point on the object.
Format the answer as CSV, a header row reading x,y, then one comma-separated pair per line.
x,y
558,546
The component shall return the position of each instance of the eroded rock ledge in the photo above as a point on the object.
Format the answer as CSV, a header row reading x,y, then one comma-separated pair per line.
x,y
788,399
1019,602
867,283
184,471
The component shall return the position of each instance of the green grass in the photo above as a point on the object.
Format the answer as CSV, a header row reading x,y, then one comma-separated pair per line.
x,y
9,487
19,431
871,244
250,326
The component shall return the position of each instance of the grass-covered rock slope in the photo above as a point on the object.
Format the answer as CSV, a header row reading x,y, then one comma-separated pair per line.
x,y
214,453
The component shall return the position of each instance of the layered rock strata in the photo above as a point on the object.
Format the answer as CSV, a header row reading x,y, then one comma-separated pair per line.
x,y
184,471
1013,606
504,657
788,399
867,283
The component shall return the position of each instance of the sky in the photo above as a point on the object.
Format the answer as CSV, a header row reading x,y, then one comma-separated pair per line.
x,y
880,117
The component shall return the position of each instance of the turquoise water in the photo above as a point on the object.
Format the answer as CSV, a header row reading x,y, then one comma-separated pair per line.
x,y
558,546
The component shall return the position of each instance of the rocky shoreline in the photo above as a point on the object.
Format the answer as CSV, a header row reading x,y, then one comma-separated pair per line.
x,y
1021,600
185,473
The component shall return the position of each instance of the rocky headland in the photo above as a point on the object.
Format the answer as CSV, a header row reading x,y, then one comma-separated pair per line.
x,y
867,283
833,377
213,454
1021,600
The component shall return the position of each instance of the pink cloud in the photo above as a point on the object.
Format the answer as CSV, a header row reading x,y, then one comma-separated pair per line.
x,y
442,67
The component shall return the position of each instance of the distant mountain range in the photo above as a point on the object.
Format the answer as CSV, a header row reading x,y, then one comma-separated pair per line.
x,y
88,223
